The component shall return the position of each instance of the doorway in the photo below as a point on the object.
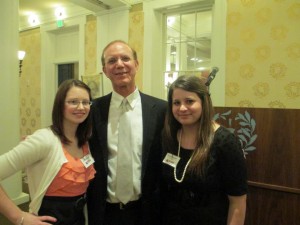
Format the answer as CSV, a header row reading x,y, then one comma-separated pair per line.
x,y
66,71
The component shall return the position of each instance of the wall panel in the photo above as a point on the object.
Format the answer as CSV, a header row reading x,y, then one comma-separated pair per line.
x,y
272,161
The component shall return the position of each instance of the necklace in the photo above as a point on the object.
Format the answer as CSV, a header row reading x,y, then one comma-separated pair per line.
x,y
186,165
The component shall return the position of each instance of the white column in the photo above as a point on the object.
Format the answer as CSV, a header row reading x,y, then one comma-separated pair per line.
x,y
9,92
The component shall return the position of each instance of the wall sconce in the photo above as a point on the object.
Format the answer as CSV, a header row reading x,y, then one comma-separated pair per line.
x,y
21,55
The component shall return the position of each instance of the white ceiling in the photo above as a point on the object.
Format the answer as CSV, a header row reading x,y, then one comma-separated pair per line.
x,y
44,9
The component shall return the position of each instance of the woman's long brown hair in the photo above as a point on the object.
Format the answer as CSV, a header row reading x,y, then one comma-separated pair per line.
x,y
206,130
84,129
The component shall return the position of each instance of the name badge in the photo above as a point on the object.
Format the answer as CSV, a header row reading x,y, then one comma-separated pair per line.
x,y
171,159
87,160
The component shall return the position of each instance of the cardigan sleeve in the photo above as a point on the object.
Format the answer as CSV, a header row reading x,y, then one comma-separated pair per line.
x,y
33,149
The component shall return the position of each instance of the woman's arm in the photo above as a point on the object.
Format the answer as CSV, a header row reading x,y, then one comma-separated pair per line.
x,y
15,215
237,210
9,209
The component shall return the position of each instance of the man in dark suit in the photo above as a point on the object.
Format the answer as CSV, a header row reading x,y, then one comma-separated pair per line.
x,y
140,205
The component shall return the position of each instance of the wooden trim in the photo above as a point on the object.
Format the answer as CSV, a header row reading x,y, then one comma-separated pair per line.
x,y
274,187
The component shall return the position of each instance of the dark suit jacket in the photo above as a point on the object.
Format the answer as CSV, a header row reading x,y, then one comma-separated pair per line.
x,y
153,112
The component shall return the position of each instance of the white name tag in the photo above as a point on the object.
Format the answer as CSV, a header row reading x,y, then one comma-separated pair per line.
x,y
87,160
171,159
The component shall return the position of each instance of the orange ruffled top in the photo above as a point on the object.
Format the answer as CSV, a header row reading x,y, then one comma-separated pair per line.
x,y
73,177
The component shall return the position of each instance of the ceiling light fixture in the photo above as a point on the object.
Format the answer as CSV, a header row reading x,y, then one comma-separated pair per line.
x,y
170,20
60,13
33,20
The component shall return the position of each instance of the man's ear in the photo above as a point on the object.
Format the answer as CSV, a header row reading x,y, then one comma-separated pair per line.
x,y
137,64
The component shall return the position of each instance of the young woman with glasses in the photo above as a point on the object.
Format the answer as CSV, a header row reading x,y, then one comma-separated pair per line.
x,y
57,160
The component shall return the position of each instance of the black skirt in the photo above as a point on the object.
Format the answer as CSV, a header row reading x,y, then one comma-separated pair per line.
x,y
67,210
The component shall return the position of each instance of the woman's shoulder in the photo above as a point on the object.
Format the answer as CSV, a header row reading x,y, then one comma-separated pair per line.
x,y
226,141
46,132
222,132
223,136
43,135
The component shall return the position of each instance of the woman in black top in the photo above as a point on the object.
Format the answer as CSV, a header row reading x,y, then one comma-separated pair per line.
x,y
204,171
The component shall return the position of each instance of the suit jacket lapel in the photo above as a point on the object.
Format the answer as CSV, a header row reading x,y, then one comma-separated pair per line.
x,y
149,124
101,123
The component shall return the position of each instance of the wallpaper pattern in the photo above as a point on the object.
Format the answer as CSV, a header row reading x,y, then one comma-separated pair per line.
x,y
263,53
136,38
30,79
263,57
91,46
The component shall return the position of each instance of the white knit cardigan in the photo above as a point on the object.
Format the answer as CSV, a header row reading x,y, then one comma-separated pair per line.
x,y
42,156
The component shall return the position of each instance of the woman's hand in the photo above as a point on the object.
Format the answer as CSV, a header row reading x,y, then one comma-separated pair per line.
x,y
14,214
30,219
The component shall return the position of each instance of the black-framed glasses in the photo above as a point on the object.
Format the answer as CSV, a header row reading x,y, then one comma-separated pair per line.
x,y
75,103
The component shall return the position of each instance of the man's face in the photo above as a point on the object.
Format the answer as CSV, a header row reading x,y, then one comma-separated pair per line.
x,y
120,66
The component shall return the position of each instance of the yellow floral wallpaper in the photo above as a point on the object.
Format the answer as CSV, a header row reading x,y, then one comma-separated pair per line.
x,y
263,57
136,38
30,80
91,46
263,53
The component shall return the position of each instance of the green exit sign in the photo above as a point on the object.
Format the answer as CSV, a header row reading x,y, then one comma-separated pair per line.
x,y
59,23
